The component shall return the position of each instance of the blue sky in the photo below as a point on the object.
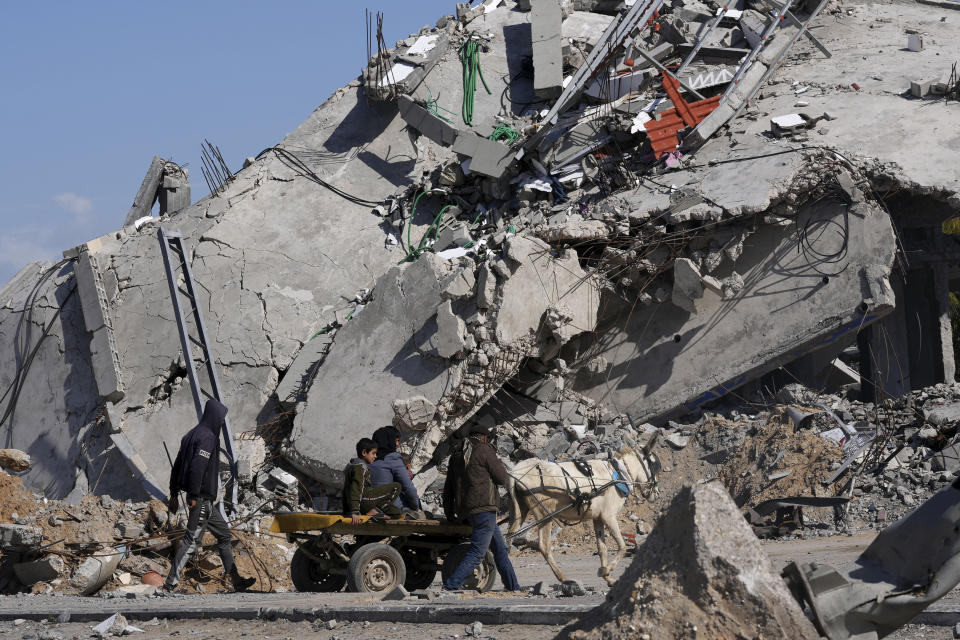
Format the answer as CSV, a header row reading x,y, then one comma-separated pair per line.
x,y
93,90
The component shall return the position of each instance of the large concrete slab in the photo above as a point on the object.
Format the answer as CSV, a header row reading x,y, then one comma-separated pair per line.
x,y
666,360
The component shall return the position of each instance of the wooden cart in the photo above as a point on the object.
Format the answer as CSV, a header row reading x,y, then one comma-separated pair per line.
x,y
381,555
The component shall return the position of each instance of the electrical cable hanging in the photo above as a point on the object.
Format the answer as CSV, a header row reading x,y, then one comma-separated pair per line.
x,y
470,60
22,344
291,159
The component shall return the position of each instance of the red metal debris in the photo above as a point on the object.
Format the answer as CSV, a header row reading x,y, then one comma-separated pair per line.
x,y
663,132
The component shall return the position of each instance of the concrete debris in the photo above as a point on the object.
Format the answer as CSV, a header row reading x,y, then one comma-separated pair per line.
x,y
546,20
397,593
95,571
18,537
43,570
699,558
14,460
115,626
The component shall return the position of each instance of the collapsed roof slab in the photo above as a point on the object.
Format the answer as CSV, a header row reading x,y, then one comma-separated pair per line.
x,y
666,361
275,256
377,357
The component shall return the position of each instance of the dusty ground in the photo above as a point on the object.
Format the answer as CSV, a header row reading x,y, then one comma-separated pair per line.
x,y
530,569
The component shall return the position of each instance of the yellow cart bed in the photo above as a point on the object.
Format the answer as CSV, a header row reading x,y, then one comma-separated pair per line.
x,y
376,556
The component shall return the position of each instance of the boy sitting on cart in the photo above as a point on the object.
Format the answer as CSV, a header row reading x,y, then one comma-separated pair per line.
x,y
360,497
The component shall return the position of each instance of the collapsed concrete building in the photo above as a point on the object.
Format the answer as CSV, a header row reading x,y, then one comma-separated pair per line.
x,y
626,240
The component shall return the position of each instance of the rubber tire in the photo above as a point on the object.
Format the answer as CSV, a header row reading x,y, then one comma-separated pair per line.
x,y
308,577
456,555
375,553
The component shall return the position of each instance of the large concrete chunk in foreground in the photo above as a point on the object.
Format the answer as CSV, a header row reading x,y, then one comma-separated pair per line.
x,y
701,573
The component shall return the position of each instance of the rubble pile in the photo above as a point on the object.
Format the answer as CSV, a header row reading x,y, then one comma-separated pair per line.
x,y
775,459
700,573
106,546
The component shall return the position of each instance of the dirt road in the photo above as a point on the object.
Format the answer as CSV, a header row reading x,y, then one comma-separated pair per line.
x,y
530,569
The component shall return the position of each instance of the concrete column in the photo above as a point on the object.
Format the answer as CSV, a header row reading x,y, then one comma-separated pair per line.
x,y
885,351
941,288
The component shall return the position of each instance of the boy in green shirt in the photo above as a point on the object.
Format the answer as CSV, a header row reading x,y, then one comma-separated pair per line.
x,y
360,497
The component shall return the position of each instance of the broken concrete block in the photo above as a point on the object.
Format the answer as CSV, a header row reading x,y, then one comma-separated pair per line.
x,y
487,157
556,445
752,24
539,283
451,336
677,440
687,284
914,42
428,124
174,192
700,558
486,287
787,124
944,415
413,413
461,285
947,459
19,537
397,593
94,572
14,460
456,235
920,88
546,19
283,479
43,570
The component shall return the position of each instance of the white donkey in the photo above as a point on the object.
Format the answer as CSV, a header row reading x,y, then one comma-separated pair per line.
x,y
540,487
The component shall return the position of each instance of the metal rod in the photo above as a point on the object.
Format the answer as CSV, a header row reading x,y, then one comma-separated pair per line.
x,y
702,39
651,60
748,63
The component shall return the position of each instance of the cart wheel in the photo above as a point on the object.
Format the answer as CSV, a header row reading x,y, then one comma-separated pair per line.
x,y
309,575
482,577
375,567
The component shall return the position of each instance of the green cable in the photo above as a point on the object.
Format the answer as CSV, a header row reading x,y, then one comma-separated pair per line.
x,y
410,223
435,108
470,59
416,252
505,132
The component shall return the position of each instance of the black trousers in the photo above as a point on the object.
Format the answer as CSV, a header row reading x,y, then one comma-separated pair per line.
x,y
204,516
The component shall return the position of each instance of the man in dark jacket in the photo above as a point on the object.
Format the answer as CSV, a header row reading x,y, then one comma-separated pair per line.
x,y
196,472
389,467
470,493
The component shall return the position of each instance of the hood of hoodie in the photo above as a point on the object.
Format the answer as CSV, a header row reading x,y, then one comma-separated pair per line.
x,y
386,439
213,415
